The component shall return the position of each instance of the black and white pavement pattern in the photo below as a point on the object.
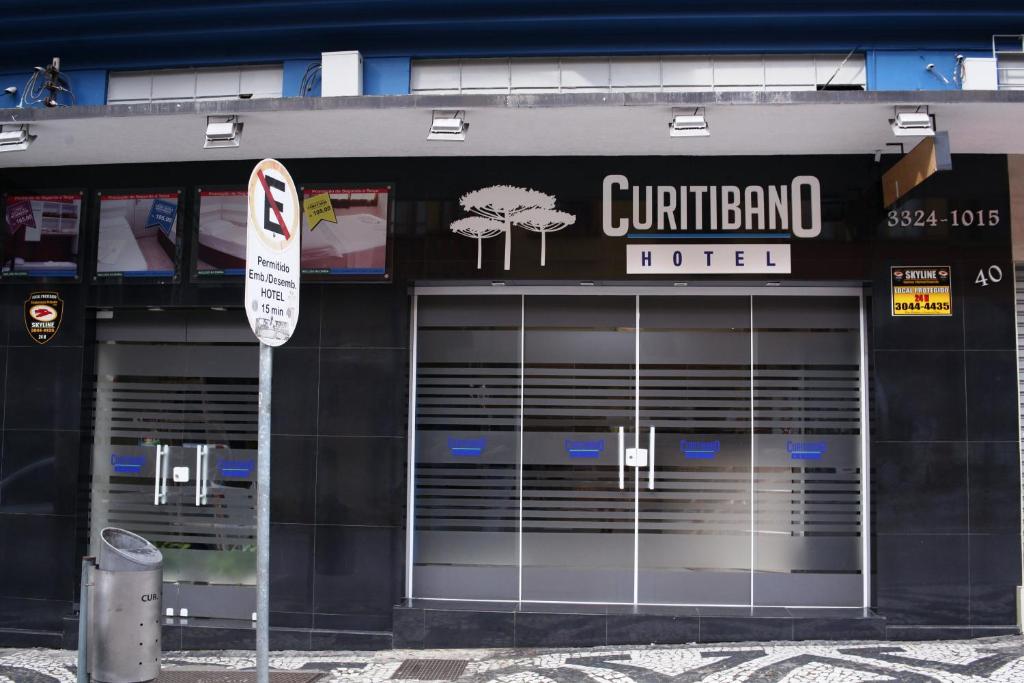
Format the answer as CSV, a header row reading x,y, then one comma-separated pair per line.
x,y
992,659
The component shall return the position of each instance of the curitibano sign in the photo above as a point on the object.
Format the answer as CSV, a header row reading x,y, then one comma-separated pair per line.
x,y
683,213
272,252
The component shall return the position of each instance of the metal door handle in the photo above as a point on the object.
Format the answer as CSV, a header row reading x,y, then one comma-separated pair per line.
x,y
202,461
163,475
650,460
622,458
206,471
163,457
157,468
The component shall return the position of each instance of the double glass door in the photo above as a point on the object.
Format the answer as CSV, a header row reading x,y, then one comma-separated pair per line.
x,y
648,449
174,451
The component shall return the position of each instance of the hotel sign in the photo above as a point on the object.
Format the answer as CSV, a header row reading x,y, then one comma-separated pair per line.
x,y
696,229
701,259
713,210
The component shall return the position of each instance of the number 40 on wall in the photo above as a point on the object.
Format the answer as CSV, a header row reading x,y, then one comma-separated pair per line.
x,y
988,275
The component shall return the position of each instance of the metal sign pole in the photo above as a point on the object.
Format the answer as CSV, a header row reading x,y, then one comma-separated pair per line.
x,y
263,518
273,273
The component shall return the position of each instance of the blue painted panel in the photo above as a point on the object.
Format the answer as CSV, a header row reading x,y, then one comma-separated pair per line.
x,y
88,85
8,79
294,70
386,75
906,70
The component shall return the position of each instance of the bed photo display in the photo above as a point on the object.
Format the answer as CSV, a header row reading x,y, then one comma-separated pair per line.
x,y
352,245
42,235
221,243
137,235
355,243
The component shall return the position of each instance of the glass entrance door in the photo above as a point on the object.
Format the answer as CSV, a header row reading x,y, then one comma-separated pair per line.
x,y
808,476
704,449
694,391
174,450
579,394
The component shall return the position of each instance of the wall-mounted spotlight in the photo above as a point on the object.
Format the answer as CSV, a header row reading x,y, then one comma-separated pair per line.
x,y
448,125
15,137
913,122
223,131
688,123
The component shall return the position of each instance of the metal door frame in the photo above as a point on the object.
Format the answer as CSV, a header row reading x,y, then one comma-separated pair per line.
x,y
496,289
195,455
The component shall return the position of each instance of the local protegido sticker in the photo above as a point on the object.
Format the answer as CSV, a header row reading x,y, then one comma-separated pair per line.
x,y
42,315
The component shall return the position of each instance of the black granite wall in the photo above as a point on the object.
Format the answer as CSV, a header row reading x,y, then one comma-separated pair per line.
x,y
944,450
42,446
945,461
338,468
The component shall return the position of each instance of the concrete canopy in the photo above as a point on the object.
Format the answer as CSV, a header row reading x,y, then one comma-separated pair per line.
x,y
618,124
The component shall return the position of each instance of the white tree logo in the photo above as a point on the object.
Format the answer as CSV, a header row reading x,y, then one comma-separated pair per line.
x,y
499,208
478,228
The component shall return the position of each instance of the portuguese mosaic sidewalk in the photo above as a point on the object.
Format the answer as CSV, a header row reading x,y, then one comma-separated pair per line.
x,y
992,659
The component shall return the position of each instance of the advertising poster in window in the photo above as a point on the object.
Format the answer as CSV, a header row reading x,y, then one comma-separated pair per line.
x,y
220,244
345,231
41,239
137,235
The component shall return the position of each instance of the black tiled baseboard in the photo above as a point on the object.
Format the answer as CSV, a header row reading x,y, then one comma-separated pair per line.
x,y
503,625
902,632
16,637
428,624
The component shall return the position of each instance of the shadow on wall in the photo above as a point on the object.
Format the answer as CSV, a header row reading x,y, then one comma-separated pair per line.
x,y
1016,163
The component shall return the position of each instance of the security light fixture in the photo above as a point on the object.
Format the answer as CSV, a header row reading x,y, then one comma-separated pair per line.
x,y
915,123
448,125
15,137
692,124
223,131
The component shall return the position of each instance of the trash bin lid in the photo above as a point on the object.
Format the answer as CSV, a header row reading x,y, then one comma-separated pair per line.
x,y
121,550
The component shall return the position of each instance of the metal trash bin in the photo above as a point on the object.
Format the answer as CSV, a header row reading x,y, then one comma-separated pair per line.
x,y
123,629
